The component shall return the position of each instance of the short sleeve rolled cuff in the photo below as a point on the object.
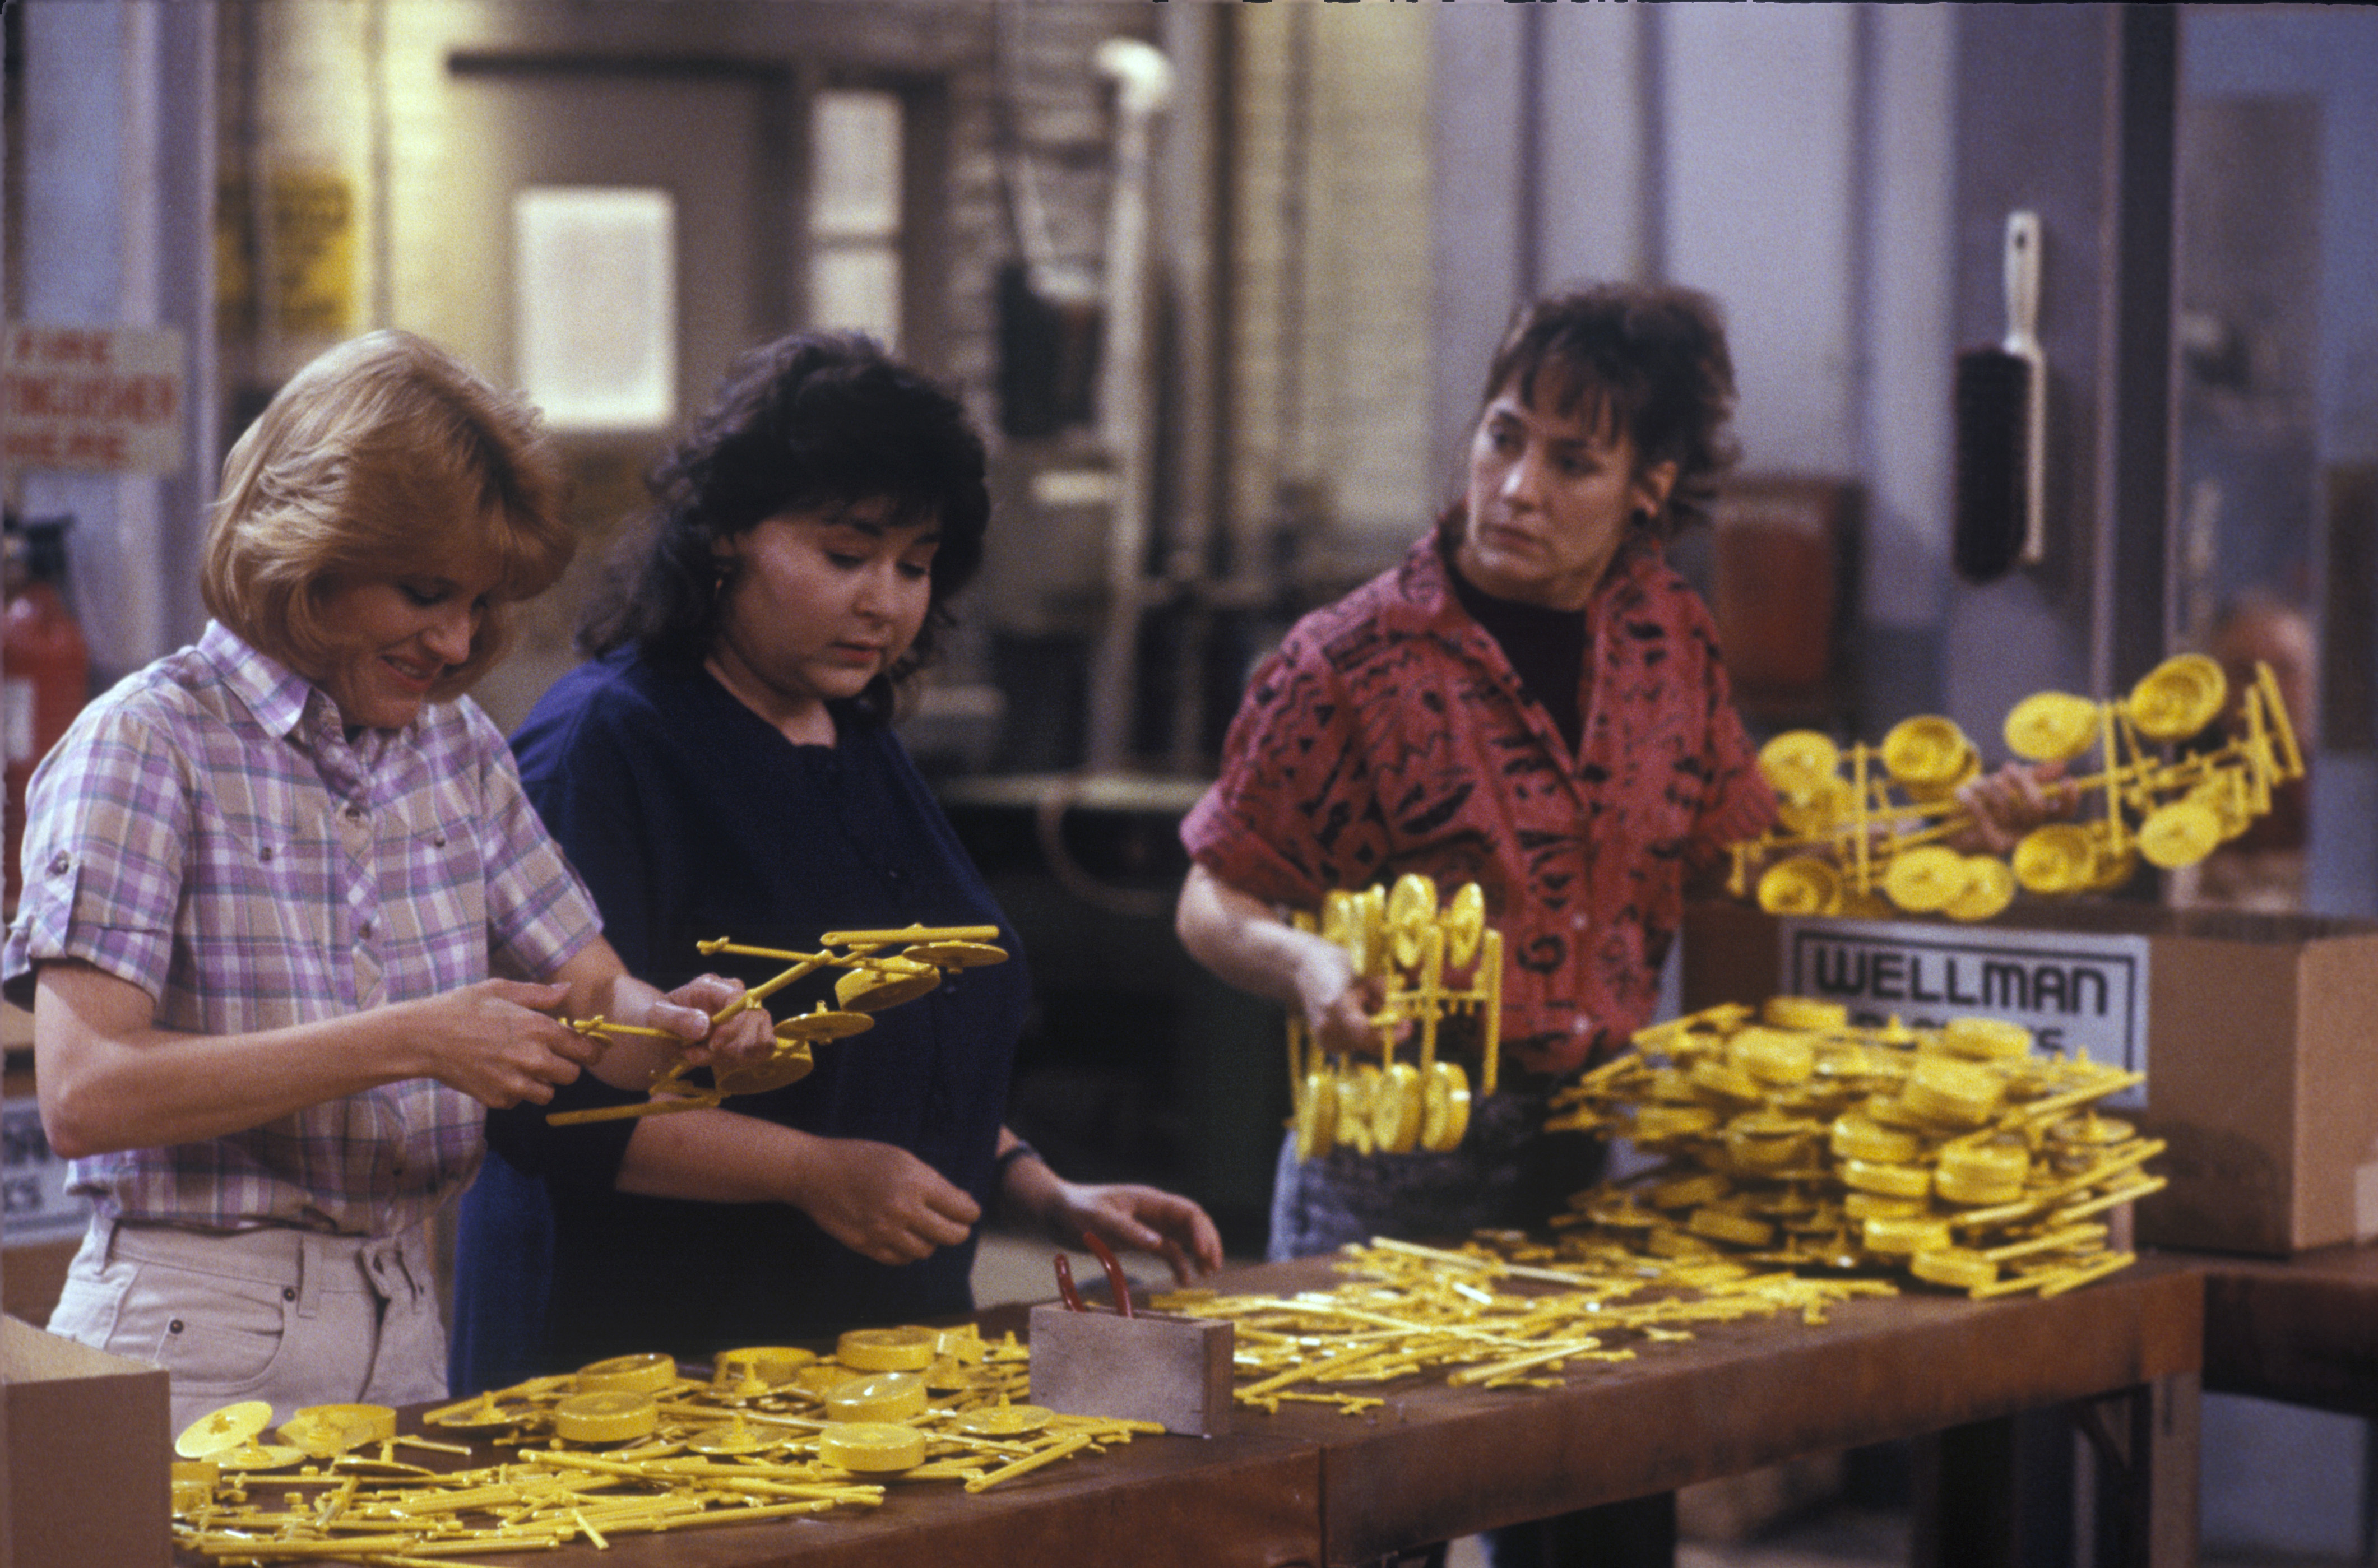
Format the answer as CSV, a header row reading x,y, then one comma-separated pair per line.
x,y
1388,733
208,832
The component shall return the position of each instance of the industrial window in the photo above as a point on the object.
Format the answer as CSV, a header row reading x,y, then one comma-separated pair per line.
x,y
594,304
856,201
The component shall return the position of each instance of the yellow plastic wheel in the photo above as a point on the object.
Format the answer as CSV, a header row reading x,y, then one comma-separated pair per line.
x,y
1989,888
1985,1039
219,1432
2060,858
871,1448
1928,753
1802,885
611,1415
822,1023
884,982
1411,909
1805,1012
1925,879
2180,834
733,1436
2179,697
771,1364
1337,914
1659,1123
1772,1056
1979,1174
1959,1268
1317,1114
878,1396
1797,762
904,1349
1004,1420
2051,726
1357,1090
1824,808
1856,1136
1465,925
1725,1225
646,1373
1886,1180
325,1430
1899,1237
1397,1109
1369,931
1444,1108
1764,1142
1944,1090
789,1063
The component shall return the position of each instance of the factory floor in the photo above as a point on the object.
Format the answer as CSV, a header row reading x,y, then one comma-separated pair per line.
x,y
1793,1517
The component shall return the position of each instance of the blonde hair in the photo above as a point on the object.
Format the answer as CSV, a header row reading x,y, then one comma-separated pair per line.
x,y
384,456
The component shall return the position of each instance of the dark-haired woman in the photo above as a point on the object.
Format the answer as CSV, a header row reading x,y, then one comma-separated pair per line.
x,y
724,766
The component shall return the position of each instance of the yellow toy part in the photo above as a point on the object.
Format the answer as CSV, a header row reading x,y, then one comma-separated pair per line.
x,y
1799,763
646,1373
879,1396
325,1430
2179,697
1930,755
1408,940
1927,879
1004,1420
769,1366
1879,822
1802,885
1444,1108
2051,726
872,1447
219,1432
873,978
909,1349
1804,1012
611,1415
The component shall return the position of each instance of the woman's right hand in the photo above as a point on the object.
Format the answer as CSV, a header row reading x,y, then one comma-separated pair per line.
x,y
879,1201
1337,1005
498,1042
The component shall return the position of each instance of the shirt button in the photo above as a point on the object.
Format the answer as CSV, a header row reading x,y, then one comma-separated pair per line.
x,y
1580,1026
355,813
61,863
265,854
364,929
1576,922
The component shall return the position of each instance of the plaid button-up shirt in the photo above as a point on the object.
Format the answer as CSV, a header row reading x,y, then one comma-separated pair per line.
x,y
208,832
1389,734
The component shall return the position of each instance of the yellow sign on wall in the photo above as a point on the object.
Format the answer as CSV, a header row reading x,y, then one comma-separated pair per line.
x,y
311,241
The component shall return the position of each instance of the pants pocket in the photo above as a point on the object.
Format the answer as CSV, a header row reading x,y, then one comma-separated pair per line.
x,y
209,1333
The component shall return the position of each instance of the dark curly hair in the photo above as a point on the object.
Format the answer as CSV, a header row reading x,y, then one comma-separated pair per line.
x,y
813,420
1646,358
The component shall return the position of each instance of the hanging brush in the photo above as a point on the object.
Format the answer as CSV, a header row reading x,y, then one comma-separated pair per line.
x,y
2001,403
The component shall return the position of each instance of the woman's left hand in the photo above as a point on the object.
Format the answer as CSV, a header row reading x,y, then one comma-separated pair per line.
x,y
1145,1219
747,1035
2009,803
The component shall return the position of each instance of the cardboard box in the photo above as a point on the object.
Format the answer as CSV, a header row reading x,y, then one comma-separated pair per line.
x,y
90,1453
2258,1034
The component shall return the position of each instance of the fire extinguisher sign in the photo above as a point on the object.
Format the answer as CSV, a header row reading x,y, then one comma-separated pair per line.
x,y
97,400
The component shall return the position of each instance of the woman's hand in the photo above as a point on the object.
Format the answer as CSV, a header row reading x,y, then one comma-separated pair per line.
x,y
747,1035
497,1041
1337,1005
881,1202
2009,803
1145,1219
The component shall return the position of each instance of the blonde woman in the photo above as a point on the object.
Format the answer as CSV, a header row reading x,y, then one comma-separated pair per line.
x,y
289,925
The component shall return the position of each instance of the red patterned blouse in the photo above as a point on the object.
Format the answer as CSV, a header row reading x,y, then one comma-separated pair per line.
x,y
1389,734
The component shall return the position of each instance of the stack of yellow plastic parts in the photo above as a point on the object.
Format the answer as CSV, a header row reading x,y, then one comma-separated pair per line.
x,y
1867,833
1792,1139
626,1446
1412,948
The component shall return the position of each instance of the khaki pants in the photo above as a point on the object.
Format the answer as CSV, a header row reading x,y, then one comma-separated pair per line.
x,y
290,1317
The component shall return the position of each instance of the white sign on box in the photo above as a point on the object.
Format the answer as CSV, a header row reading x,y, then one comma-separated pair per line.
x,y
2074,990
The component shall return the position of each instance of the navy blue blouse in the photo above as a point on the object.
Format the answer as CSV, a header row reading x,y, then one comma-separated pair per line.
x,y
690,818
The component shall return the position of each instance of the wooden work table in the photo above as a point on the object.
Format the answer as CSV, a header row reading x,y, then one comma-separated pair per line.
x,y
2302,1330
1311,1486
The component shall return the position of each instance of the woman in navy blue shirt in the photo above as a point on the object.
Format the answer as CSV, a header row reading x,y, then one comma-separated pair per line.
x,y
725,766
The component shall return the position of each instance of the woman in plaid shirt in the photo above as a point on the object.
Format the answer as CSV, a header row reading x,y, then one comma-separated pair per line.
x,y
289,924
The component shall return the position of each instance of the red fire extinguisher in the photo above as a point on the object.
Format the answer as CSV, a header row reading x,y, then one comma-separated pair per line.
x,y
43,659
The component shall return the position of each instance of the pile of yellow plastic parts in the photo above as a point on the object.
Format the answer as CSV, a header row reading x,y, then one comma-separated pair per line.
x,y
1792,1140
624,1446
